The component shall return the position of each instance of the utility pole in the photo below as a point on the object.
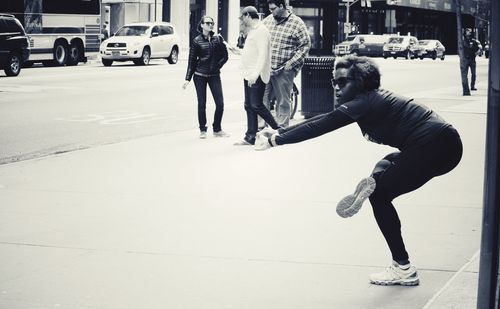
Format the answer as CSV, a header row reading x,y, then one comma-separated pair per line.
x,y
347,25
489,285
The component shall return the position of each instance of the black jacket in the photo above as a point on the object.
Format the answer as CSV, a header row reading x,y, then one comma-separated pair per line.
x,y
206,57
471,47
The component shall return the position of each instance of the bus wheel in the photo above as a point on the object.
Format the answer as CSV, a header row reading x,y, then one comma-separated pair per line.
x,y
13,65
60,54
74,55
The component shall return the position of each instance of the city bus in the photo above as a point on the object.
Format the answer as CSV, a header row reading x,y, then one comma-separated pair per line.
x,y
60,32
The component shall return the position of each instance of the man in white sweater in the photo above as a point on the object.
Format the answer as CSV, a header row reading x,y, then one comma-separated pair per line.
x,y
256,66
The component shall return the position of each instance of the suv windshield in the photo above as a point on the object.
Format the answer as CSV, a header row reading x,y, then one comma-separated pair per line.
x,y
395,40
132,31
423,42
350,38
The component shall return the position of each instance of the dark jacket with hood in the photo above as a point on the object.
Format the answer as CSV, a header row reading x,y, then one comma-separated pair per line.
x,y
206,56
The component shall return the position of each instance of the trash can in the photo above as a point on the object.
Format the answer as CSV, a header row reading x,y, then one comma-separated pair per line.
x,y
316,87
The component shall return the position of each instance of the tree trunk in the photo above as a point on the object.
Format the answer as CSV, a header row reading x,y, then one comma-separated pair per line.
x,y
461,55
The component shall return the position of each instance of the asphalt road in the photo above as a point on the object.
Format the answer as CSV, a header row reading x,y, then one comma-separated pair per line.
x,y
46,111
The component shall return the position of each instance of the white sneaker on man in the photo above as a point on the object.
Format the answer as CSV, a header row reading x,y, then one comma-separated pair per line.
x,y
203,134
396,275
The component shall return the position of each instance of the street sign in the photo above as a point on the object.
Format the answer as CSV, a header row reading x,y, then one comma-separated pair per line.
x,y
347,28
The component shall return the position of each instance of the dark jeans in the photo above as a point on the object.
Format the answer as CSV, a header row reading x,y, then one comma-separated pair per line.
x,y
472,66
405,171
200,83
254,106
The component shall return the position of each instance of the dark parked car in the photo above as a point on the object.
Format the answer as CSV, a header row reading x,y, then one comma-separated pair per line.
x,y
431,49
401,46
14,45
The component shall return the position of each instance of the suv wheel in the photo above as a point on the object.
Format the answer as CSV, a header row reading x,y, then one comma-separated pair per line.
x,y
13,65
174,56
146,56
107,62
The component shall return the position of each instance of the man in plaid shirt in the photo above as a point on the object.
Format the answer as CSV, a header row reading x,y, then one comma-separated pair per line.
x,y
290,44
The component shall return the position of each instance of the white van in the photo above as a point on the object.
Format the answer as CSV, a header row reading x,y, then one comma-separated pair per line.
x,y
362,45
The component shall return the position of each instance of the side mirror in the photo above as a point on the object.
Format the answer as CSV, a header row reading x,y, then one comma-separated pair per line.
x,y
154,34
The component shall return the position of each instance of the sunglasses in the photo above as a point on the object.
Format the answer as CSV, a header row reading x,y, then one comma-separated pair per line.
x,y
210,23
341,81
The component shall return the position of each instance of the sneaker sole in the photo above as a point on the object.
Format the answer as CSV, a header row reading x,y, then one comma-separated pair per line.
x,y
404,282
351,204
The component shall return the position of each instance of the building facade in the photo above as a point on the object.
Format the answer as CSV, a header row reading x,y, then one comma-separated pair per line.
x,y
326,20
184,14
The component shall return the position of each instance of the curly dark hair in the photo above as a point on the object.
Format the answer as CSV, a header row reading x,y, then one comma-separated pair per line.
x,y
362,69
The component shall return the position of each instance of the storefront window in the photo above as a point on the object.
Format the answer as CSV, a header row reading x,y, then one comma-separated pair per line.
x,y
313,18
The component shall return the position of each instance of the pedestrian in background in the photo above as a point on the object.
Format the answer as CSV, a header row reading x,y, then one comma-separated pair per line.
x,y
104,32
207,55
256,67
290,44
471,48
428,147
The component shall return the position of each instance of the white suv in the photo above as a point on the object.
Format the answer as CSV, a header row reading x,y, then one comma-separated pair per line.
x,y
140,42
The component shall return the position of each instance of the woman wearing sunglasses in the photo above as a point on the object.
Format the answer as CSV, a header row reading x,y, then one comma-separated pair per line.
x,y
207,55
428,147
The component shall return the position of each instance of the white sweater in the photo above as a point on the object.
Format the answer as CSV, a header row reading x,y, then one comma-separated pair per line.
x,y
256,55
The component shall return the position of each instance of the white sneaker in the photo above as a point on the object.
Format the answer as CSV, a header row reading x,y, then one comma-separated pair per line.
x,y
351,204
203,134
394,275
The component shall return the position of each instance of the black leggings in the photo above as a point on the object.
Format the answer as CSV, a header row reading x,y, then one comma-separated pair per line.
x,y
402,172
214,82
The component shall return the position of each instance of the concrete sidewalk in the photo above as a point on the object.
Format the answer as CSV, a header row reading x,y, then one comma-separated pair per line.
x,y
172,221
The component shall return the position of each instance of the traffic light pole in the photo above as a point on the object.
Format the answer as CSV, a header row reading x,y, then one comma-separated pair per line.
x,y
348,4
489,289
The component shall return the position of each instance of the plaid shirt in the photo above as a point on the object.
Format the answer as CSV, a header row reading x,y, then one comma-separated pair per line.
x,y
290,41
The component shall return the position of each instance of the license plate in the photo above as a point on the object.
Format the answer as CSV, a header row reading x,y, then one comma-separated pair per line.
x,y
393,52
115,53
